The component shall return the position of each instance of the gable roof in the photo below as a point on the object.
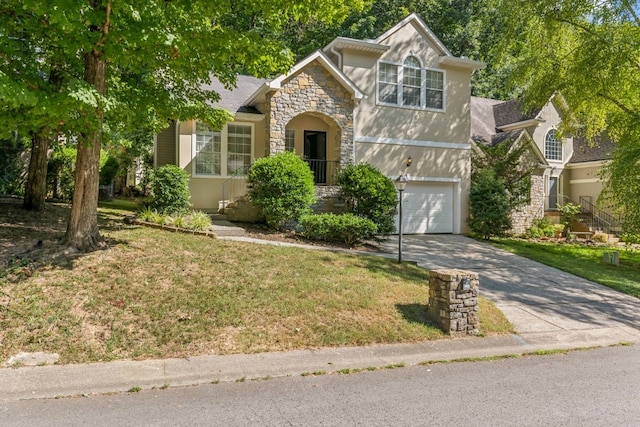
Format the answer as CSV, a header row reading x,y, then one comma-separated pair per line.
x,y
319,56
419,23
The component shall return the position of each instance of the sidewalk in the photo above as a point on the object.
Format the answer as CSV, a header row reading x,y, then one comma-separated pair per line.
x,y
52,381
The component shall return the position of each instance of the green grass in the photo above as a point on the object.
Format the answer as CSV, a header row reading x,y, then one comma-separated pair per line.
x,y
127,205
157,294
584,261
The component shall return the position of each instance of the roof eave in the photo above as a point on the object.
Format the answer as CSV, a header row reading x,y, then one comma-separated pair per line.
x,y
340,43
465,63
521,124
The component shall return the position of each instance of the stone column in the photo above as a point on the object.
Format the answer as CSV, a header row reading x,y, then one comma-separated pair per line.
x,y
453,301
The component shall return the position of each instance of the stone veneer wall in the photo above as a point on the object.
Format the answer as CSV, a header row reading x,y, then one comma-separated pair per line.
x,y
454,309
312,90
522,218
328,200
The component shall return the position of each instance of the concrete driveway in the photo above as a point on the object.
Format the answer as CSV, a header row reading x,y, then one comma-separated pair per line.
x,y
542,303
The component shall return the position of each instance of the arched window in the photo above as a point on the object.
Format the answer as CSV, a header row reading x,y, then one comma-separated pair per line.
x,y
411,82
552,146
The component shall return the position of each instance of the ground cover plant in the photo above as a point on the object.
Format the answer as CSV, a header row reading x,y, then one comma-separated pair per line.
x,y
583,260
155,294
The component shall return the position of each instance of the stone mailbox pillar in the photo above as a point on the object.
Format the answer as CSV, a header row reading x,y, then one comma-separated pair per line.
x,y
453,301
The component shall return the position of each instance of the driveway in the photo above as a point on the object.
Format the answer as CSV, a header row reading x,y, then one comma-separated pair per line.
x,y
541,302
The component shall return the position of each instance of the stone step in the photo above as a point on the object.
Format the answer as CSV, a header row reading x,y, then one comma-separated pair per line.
x,y
222,227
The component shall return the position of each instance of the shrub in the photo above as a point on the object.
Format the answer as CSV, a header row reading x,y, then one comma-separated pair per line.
x,y
346,228
281,186
600,237
370,194
171,190
630,238
199,221
541,227
488,206
147,214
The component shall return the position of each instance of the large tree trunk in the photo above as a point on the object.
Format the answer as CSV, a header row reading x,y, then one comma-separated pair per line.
x,y
82,230
36,189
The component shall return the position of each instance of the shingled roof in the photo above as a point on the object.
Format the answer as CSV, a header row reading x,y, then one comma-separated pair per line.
x,y
601,149
234,100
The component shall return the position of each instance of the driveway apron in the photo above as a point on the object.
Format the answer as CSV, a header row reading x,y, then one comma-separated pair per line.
x,y
536,298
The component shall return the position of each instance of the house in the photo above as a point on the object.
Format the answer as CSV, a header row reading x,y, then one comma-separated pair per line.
x,y
377,101
566,169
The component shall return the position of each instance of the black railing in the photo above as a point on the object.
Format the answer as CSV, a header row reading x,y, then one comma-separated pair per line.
x,y
325,172
601,219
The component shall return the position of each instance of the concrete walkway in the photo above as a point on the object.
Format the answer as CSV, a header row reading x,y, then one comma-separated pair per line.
x,y
548,308
541,302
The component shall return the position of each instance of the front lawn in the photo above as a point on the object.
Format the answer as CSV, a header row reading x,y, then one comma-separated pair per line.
x,y
158,294
586,261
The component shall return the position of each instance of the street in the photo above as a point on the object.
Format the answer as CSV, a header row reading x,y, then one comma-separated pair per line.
x,y
599,387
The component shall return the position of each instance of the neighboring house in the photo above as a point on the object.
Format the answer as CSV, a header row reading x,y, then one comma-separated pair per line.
x,y
565,169
376,101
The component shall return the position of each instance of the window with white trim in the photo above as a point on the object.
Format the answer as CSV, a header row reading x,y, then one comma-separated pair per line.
x,y
208,144
388,83
222,153
411,82
290,140
238,148
552,146
410,85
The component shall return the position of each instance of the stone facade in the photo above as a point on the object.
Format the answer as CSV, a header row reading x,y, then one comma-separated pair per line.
x,y
328,200
522,218
453,301
313,91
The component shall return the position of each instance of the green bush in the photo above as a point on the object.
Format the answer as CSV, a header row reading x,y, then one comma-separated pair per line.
x,y
13,167
488,206
347,228
170,194
370,194
541,227
281,186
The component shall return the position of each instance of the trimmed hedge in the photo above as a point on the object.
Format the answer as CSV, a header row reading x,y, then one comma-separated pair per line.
x,y
347,228
281,186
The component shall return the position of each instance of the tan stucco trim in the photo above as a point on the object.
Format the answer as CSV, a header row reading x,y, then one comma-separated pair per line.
x,y
248,117
595,163
584,181
414,143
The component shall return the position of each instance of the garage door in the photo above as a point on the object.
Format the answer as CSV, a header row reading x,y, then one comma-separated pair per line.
x,y
427,208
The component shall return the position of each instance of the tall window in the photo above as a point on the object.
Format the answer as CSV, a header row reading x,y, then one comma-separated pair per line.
x,y
290,140
411,82
434,84
410,85
207,150
388,83
238,148
552,146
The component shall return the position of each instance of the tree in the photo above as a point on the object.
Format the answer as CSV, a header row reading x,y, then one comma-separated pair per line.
x,y
588,51
131,60
488,206
509,164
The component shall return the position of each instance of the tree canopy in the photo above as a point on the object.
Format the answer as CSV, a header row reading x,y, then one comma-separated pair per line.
x,y
70,65
590,53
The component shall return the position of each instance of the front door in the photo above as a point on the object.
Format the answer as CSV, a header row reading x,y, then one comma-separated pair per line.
x,y
315,154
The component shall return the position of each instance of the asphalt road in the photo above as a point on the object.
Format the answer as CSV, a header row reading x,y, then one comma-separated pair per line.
x,y
598,387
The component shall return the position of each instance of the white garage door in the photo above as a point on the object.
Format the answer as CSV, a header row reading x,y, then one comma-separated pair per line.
x,y
427,208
